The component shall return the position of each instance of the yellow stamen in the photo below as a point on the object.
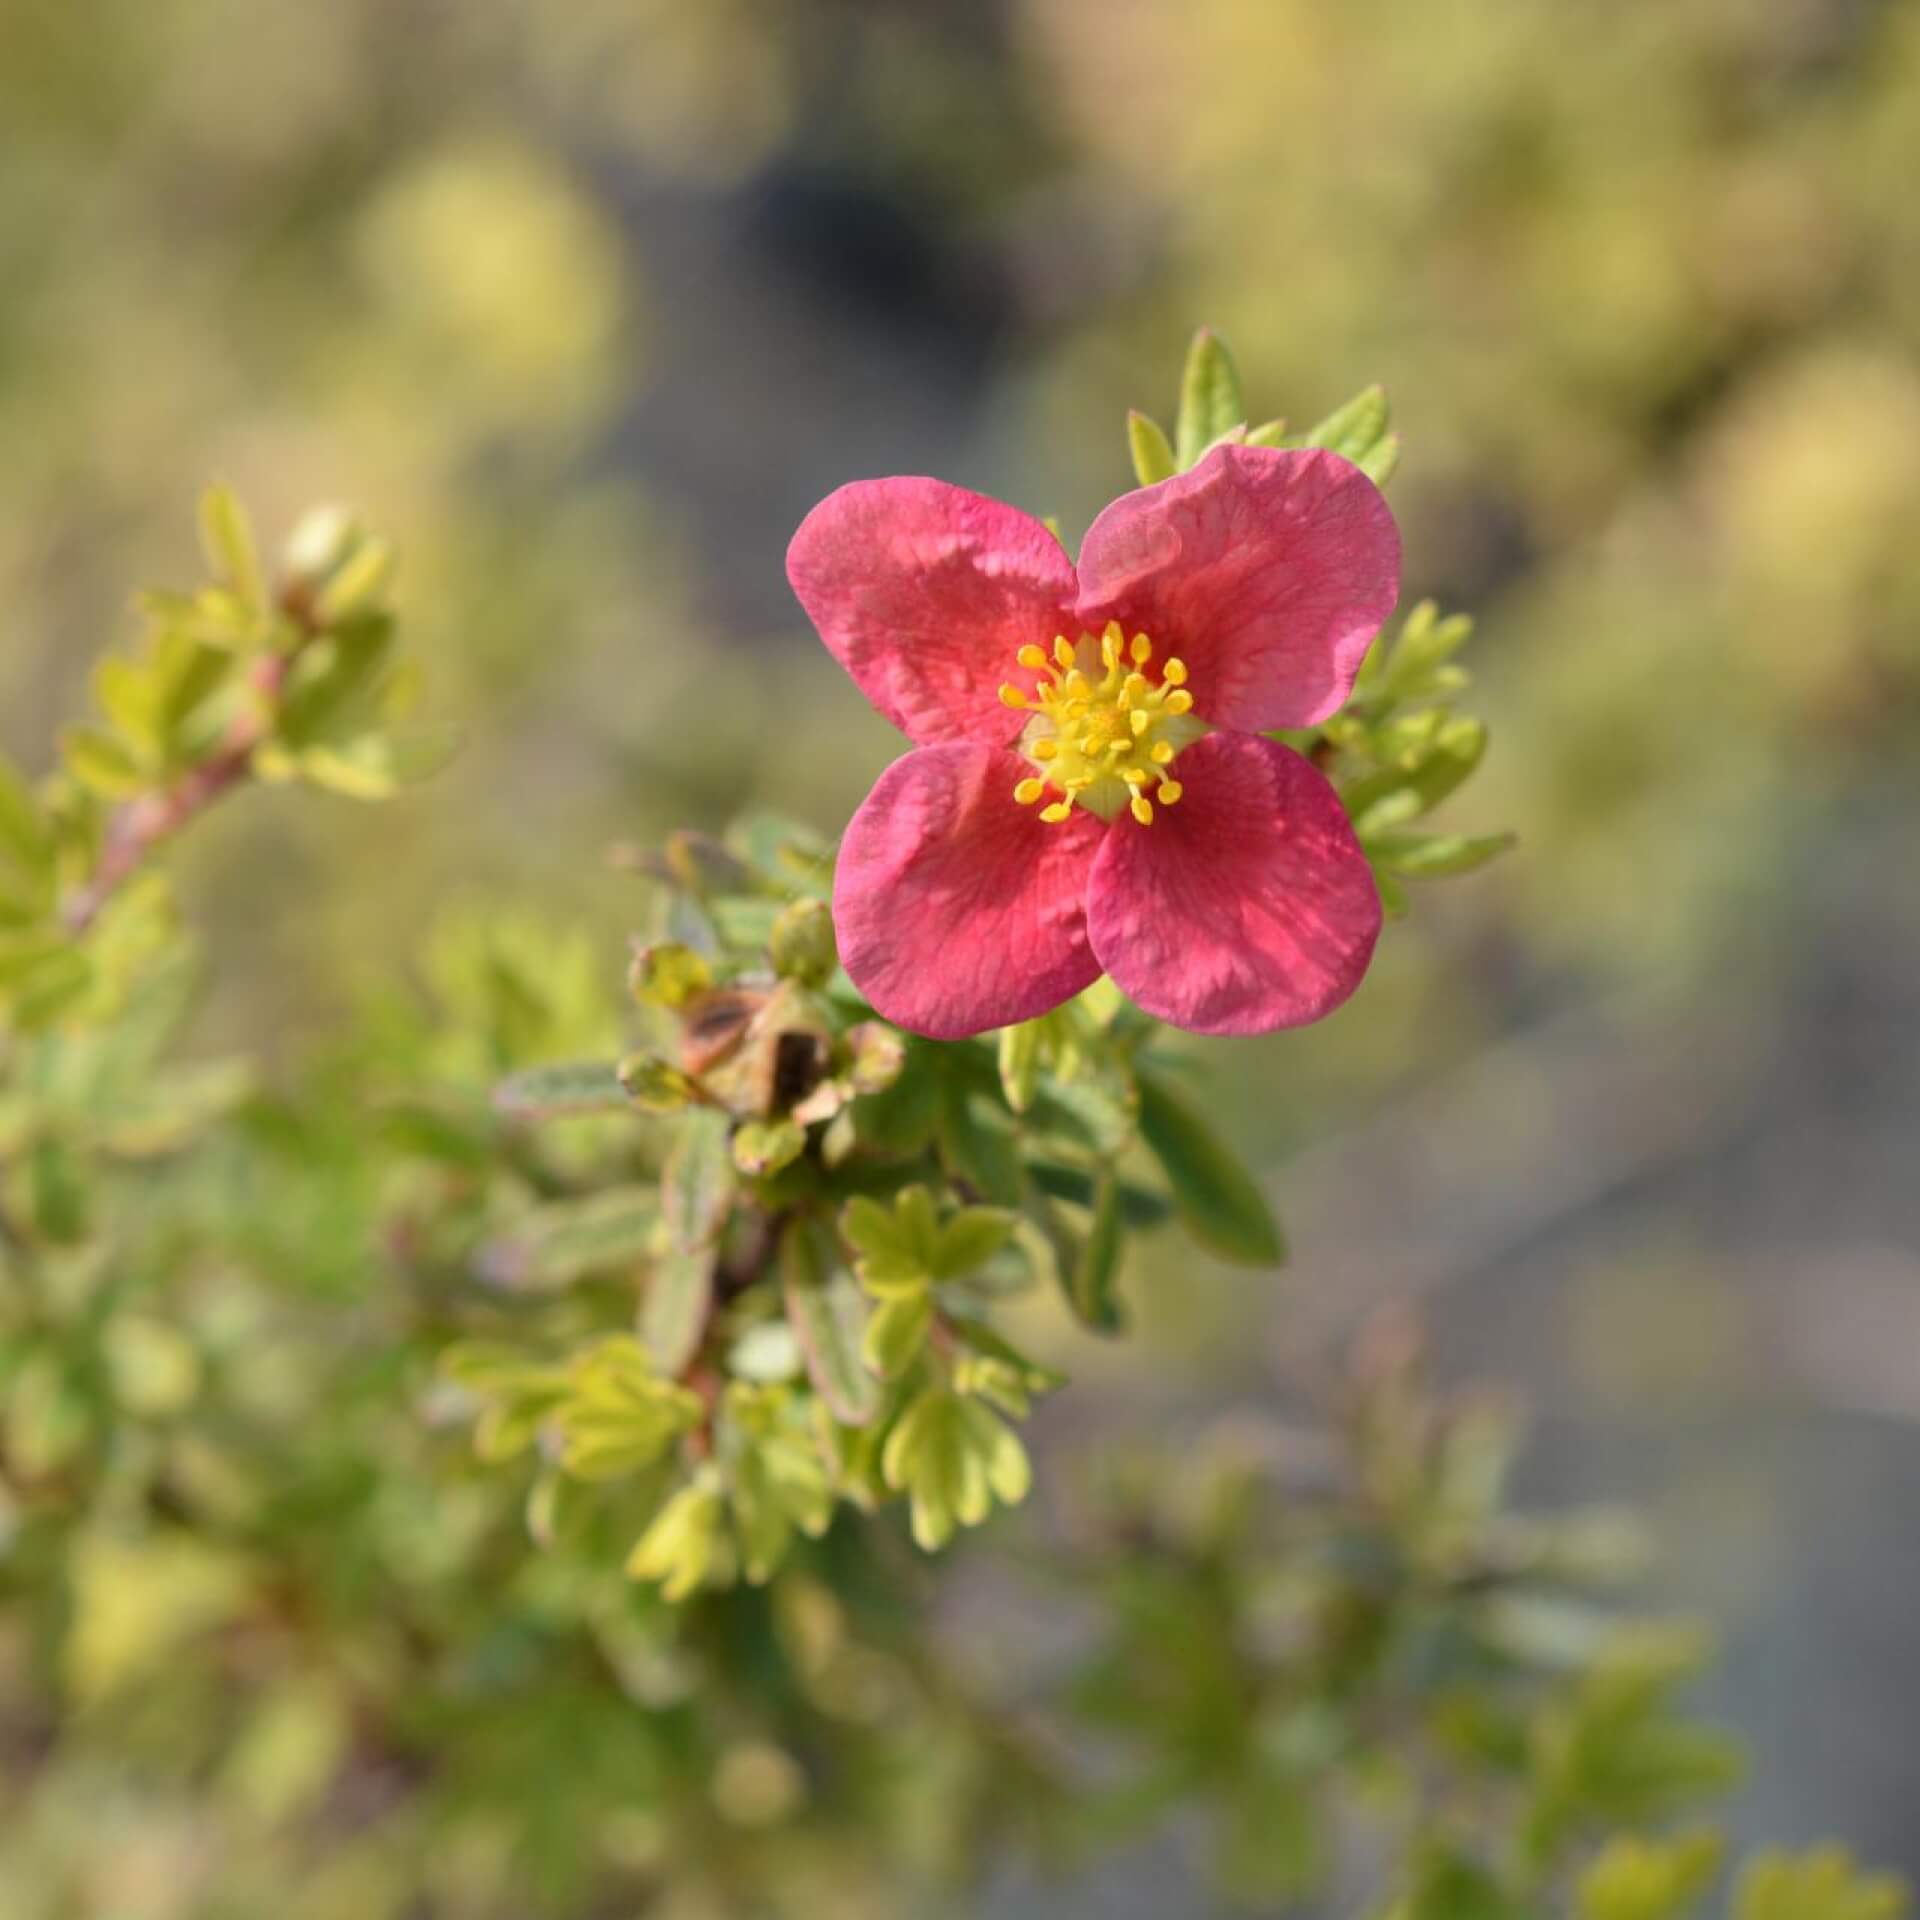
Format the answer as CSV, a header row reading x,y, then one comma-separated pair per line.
x,y
1103,727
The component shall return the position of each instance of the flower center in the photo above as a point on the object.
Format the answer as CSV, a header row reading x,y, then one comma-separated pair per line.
x,y
1103,733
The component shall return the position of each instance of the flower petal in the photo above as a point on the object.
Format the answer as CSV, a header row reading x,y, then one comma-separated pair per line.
x,y
1245,907
924,593
957,908
1268,571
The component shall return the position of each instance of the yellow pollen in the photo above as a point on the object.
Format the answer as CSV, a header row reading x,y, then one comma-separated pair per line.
x,y
1105,721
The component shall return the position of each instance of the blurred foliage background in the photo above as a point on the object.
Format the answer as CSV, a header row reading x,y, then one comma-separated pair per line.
x,y
586,303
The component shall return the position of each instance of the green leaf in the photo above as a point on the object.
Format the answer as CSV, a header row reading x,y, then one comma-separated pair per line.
x,y
953,1458
621,1415
1821,1885
1019,1061
100,762
828,1317
1153,459
1139,1206
969,1239
1358,432
896,1332
556,1245
1210,399
1218,1199
976,1146
1427,856
564,1086
897,1246
226,535
1449,1886
25,836
778,1488
1091,1293
1636,1879
687,1546
675,1306
698,1181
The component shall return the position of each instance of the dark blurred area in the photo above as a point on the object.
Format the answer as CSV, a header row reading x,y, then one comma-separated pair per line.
x,y
587,303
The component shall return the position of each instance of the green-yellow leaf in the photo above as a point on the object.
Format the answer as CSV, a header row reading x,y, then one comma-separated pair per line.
x,y
1210,400
1153,458
1218,1199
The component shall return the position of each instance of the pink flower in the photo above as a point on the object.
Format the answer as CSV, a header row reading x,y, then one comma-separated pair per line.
x,y
1089,790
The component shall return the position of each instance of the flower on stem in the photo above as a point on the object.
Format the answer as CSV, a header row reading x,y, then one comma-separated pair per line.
x,y
1089,789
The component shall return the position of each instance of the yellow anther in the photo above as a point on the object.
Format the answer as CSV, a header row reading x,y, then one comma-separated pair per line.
x,y
1103,728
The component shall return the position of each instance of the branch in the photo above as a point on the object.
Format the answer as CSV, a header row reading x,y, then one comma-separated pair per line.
x,y
138,829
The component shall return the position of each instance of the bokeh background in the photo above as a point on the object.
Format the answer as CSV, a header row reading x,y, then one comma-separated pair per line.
x,y
587,301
